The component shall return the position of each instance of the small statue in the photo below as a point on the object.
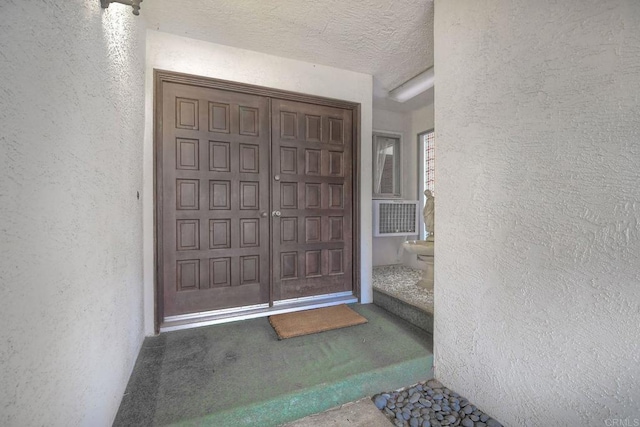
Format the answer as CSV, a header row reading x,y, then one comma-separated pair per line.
x,y
428,213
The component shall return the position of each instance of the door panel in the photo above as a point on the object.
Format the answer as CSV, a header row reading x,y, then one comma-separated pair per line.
x,y
213,183
312,190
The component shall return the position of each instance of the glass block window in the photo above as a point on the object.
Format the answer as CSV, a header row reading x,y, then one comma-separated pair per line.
x,y
427,164
428,144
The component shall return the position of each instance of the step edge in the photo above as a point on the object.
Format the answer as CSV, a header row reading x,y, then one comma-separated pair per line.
x,y
251,413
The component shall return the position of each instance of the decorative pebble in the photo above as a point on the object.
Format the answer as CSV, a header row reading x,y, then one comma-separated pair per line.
x,y
434,384
380,401
422,401
430,404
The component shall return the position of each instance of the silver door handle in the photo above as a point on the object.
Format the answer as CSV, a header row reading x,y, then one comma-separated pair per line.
x,y
263,214
277,177
275,213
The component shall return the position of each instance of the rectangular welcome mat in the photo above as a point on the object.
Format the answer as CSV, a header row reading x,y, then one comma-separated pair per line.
x,y
307,322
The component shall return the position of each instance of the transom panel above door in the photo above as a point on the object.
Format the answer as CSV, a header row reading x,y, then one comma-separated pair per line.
x,y
254,201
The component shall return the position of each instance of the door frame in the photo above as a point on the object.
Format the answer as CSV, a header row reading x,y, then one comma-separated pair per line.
x,y
163,76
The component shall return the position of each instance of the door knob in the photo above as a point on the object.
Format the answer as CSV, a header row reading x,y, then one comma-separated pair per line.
x,y
277,177
275,213
263,214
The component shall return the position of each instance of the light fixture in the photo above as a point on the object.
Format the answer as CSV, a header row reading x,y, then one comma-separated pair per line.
x,y
135,4
413,87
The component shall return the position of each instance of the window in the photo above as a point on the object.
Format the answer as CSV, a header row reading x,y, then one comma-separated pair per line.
x,y
426,169
386,165
428,148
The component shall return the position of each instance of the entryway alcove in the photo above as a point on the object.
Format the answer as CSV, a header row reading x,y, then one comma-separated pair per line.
x,y
255,200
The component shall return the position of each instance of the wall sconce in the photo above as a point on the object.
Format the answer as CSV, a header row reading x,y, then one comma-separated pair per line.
x,y
133,3
413,87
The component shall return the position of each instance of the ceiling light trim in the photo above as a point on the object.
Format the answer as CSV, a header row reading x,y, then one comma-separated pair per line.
x,y
414,86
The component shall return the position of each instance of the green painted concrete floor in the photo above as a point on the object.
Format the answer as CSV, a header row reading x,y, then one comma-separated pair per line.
x,y
240,374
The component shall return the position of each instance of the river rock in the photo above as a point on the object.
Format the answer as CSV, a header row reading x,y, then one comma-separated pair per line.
x,y
380,401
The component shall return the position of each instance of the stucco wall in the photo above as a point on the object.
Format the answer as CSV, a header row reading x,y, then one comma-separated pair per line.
x,y
538,168
174,53
386,250
71,121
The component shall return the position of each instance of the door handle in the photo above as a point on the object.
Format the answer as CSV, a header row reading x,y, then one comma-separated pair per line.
x,y
263,214
277,177
275,213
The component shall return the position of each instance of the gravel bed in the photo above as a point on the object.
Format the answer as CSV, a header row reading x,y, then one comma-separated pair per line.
x,y
430,404
400,281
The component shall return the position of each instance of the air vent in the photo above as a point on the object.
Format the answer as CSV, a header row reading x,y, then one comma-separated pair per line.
x,y
395,217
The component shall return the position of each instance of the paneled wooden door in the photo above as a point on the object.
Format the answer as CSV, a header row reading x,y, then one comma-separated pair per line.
x,y
312,190
254,198
213,187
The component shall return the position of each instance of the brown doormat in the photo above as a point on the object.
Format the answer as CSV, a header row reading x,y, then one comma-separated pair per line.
x,y
307,322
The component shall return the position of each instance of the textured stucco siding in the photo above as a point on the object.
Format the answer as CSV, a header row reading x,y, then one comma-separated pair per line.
x,y
392,40
537,273
71,131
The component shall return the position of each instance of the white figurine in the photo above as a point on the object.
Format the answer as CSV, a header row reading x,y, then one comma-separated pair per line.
x,y
428,213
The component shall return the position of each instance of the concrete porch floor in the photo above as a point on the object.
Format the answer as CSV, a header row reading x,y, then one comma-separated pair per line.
x,y
240,374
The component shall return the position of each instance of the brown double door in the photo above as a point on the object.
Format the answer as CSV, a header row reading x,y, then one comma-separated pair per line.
x,y
254,199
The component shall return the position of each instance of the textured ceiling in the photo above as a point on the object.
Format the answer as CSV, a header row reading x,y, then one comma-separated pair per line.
x,y
389,39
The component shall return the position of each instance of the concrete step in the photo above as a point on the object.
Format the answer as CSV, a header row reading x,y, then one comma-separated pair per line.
x,y
362,413
240,374
404,309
